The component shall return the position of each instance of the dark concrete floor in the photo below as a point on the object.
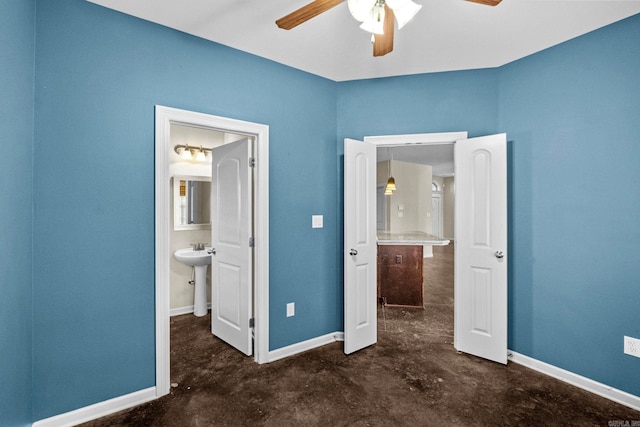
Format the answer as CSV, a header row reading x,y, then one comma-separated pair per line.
x,y
412,377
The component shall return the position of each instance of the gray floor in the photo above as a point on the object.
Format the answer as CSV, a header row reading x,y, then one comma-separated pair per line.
x,y
412,377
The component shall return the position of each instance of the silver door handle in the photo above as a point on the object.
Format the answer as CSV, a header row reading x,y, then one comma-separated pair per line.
x,y
353,252
499,254
212,251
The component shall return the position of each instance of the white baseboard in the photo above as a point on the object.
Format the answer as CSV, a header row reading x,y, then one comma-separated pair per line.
x,y
117,404
584,383
300,347
184,310
120,403
98,410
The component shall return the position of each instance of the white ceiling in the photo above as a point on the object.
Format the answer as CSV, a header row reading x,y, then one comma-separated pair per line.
x,y
446,35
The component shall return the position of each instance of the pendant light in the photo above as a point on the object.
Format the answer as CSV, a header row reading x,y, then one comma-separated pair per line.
x,y
391,182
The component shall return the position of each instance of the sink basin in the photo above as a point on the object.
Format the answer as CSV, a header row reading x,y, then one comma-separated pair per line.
x,y
194,258
200,261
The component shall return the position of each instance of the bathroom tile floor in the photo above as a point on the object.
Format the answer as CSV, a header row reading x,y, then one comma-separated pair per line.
x,y
411,377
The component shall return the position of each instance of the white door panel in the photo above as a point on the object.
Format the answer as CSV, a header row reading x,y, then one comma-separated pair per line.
x,y
481,247
232,261
360,247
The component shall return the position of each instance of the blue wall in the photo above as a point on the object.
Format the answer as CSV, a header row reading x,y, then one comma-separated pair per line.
x,y
99,75
425,103
572,113
441,102
17,38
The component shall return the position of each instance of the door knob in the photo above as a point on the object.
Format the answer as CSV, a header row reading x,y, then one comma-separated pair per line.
x,y
212,251
353,252
499,254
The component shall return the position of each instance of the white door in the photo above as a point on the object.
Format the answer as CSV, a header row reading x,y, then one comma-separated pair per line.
x,y
360,248
231,261
436,212
481,247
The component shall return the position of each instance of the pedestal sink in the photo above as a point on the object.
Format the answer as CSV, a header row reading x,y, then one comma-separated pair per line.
x,y
199,259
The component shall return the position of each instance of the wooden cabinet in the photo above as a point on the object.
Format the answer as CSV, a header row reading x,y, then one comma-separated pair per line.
x,y
400,276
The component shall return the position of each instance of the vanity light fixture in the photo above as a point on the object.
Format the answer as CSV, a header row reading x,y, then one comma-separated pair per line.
x,y
201,156
187,152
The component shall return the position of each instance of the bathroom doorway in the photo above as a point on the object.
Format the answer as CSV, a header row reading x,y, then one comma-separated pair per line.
x,y
259,135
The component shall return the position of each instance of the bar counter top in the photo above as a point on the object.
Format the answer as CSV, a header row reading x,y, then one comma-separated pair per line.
x,y
409,238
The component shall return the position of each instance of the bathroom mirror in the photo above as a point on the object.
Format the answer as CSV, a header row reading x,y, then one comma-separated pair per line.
x,y
191,203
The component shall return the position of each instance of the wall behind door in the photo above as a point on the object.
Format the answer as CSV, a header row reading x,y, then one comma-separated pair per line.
x,y
99,75
17,68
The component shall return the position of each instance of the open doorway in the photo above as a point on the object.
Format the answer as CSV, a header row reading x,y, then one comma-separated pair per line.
x,y
427,207
480,280
259,135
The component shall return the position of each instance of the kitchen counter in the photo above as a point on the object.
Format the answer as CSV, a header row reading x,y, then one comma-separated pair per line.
x,y
409,238
400,267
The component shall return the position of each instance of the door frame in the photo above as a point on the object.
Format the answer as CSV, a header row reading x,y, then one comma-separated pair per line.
x,y
164,117
418,139
426,139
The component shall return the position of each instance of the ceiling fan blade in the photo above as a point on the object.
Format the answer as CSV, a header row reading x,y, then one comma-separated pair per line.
x,y
383,43
305,13
487,2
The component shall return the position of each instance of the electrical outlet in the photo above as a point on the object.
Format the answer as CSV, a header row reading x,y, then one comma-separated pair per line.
x,y
291,309
632,346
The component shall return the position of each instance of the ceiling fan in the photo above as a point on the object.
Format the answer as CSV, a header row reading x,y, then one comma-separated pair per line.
x,y
376,17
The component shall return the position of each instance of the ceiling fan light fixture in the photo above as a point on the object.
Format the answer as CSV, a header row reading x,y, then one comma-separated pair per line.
x,y
374,23
373,26
377,17
404,10
361,9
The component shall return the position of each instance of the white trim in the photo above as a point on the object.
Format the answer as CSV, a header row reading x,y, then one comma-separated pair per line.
x,y
442,138
98,410
185,310
307,345
579,381
164,117
416,139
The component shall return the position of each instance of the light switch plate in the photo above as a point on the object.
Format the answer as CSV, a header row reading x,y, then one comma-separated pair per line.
x,y
317,221
291,309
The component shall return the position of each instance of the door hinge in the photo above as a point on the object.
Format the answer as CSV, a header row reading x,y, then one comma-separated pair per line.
x,y
252,242
252,322
252,162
